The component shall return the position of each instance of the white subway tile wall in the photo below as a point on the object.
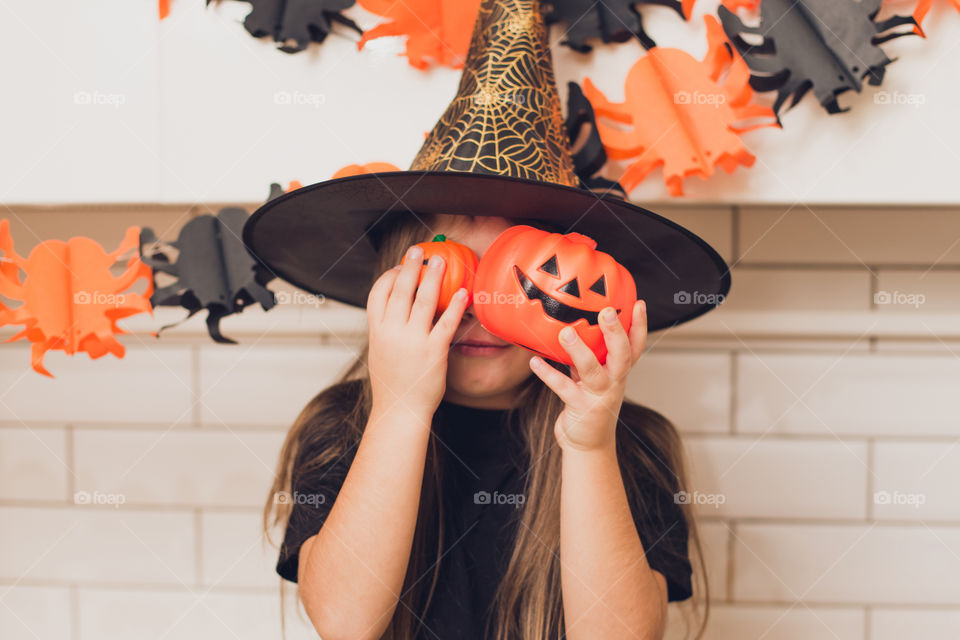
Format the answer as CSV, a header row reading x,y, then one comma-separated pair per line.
x,y
824,467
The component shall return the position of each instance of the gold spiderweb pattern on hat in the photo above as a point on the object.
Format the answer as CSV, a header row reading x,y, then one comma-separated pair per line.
x,y
505,119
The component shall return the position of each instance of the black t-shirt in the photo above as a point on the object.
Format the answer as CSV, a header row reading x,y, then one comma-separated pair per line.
x,y
482,491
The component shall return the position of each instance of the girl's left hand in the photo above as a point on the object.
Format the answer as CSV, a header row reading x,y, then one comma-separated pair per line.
x,y
593,393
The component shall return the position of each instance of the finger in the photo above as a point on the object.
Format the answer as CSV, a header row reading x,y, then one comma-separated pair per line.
x,y
401,297
560,384
618,343
584,359
379,293
449,320
425,303
638,330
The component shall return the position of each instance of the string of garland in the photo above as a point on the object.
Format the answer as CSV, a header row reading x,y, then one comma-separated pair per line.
x,y
789,48
65,297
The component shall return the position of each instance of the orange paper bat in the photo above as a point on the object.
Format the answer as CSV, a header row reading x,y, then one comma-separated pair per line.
x,y
70,300
437,30
370,167
750,5
923,8
678,115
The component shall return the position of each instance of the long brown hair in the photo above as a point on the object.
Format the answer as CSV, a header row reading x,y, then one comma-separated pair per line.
x,y
527,605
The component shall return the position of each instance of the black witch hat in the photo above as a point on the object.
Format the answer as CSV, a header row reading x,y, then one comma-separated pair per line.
x,y
500,149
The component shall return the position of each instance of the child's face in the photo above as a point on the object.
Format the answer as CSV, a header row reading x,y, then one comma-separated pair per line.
x,y
482,369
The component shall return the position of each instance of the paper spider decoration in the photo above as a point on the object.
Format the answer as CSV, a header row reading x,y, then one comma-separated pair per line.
x,y
679,115
295,23
71,301
609,20
436,30
825,45
214,270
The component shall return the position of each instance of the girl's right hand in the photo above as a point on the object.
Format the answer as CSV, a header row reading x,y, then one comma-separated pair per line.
x,y
408,354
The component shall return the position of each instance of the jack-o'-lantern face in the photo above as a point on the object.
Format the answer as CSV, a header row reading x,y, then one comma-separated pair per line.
x,y
531,283
554,307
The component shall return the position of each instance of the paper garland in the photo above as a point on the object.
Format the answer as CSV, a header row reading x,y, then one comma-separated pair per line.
x,y
70,301
295,23
828,46
213,269
609,20
736,5
438,31
357,169
678,114
920,13
586,147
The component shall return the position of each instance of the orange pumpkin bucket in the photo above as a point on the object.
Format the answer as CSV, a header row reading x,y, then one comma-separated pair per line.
x,y
460,265
532,283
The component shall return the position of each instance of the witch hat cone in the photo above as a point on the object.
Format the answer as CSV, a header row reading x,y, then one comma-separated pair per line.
x,y
499,149
506,118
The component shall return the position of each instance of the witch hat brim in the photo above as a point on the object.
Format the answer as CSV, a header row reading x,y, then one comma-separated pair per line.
x,y
499,149
321,237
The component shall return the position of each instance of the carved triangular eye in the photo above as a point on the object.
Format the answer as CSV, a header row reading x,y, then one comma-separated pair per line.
x,y
550,266
571,288
600,286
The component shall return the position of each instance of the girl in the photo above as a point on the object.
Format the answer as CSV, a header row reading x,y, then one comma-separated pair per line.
x,y
451,486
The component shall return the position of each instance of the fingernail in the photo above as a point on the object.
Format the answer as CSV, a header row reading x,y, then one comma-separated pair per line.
x,y
460,294
436,261
535,362
609,315
568,335
415,251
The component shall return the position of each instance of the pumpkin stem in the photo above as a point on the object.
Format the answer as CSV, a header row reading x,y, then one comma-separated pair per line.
x,y
439,238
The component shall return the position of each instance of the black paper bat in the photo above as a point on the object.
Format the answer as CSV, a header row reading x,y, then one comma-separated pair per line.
x,y
295,23
609,20
589,156
829,46
214,271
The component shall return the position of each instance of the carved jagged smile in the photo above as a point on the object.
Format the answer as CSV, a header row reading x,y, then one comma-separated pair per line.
x,y
551,306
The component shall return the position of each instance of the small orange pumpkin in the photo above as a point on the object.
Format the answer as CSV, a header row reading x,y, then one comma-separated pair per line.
x,y
460,266
531,283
